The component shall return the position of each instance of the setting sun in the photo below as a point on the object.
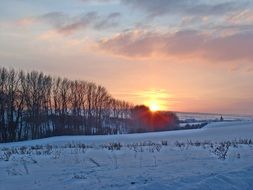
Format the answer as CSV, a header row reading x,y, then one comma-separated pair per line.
x,y
155,99
154,106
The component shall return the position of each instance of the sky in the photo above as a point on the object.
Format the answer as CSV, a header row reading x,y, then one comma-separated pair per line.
x,y
187,55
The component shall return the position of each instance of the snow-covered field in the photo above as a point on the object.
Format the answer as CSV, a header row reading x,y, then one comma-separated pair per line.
x,y
218,156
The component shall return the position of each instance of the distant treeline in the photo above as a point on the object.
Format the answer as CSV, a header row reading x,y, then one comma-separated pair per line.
x,y
35,105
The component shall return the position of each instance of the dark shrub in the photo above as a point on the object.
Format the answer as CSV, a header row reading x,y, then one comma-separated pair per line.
x,y
143,120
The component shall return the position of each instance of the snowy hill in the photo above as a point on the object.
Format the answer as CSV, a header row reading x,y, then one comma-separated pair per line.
x,y
218,156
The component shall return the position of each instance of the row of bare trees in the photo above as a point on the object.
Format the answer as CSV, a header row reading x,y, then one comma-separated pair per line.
x,y
34,105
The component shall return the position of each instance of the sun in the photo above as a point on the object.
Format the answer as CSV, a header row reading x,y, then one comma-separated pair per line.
x,y
156,100
153,106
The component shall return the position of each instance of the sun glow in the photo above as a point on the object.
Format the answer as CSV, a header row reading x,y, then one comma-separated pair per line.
x,y
155,99
153,106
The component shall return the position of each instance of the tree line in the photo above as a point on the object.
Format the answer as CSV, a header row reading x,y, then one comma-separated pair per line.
x,y
35,105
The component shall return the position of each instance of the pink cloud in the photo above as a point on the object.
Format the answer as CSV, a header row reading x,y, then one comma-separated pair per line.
x,y
181,44
245,16
26,21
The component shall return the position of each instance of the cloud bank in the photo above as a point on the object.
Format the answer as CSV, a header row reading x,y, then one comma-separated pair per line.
x,y
181,44
188,7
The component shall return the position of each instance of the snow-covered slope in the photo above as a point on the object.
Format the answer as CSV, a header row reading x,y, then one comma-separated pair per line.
x,y
190,159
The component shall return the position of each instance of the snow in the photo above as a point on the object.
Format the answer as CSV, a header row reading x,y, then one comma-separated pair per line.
x,y
205,117
150,164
